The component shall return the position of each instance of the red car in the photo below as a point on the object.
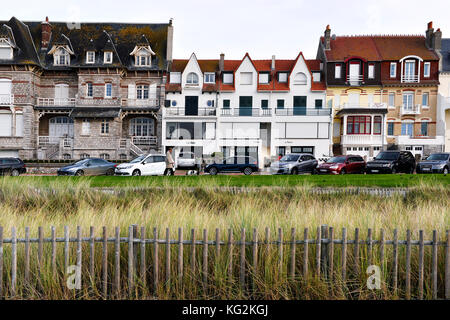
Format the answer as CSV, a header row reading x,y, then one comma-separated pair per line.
x,y
342,165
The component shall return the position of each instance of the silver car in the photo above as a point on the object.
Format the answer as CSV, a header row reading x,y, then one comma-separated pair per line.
x,y
435,163
295,163
88,167
186,160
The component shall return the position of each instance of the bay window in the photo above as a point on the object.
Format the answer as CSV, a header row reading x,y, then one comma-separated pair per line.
x,y
377,125
358,124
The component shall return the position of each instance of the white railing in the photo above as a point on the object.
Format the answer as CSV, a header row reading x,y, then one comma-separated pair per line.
x,y
410,78
361,139
354,80
49,102
48,140
67,143
414,109
153,102
6,99
364,105
144,140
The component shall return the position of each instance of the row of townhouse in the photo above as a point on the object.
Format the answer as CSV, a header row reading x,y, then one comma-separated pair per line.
x,y
112,90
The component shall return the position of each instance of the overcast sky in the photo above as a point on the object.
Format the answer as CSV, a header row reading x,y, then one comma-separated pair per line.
x,y
260,27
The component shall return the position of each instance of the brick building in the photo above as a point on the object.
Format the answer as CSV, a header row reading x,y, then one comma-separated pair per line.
x,y
88,90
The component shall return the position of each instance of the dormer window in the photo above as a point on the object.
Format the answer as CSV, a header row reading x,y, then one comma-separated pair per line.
x,y
143,60
90,57
210,77
192,78
61,57
6,51
264,78
228,78
426,69
107,57
175,77
282,77
316,76
142,56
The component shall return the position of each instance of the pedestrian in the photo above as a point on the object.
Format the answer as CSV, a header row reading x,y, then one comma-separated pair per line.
x,y
169,162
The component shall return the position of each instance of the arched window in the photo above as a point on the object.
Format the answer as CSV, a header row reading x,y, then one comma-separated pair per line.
x,y
192,78
141,127
105,156
300,78
84,156
67,156
123,156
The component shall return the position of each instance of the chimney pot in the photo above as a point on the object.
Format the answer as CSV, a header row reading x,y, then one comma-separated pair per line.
x,y
222,62
327,39
430,25
273,63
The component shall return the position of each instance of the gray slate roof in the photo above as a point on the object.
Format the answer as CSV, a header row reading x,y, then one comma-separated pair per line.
x,y
445,52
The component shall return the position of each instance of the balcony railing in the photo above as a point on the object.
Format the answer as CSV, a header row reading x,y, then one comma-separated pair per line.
x,y
6,99
48,140
151,102
302,111
50,102
144,140
354,80
202,112
414,109
245,112
361,139
350,105
409,78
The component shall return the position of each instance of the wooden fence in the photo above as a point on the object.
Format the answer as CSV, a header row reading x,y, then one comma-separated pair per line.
x,y
325,257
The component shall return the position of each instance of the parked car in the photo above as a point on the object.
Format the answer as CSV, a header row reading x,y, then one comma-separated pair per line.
x,y
145,165
186,160
245,164
392,162
435,163
295,163
342,165
88,167
12,166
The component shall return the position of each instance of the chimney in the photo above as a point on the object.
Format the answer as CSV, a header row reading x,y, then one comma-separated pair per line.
x,y
169,41
437,40
222,62
46,33
327,34
429,35
273,63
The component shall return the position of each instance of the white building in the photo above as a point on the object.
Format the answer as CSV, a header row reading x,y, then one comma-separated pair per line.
x,y
260,108
443,114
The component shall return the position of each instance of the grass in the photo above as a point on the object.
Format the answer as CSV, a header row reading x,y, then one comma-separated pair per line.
x,y
382,180
68,201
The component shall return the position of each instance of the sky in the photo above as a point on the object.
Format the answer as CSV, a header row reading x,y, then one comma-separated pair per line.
x,y
260,27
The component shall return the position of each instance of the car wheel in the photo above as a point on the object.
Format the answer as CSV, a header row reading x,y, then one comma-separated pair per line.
x,y
342,171
79,173
394,170
248,171
15,173
110,172
168,172
294,171
445,171
136,173
213,171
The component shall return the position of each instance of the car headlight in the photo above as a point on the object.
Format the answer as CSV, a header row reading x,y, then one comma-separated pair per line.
x,y
334,167
125,167
387,165
438,165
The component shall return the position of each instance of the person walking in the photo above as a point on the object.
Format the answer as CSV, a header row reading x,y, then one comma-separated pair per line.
x,y
169,162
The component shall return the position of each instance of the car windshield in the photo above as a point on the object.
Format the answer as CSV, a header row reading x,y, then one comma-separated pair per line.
x,y
438,157
83,161
387,156
186,155
336,160
138,159
290,158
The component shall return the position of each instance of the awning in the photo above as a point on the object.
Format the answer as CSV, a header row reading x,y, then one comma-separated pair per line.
x,y
95,112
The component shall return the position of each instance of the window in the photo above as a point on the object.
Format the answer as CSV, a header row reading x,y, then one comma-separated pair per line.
x,y
6,51
264,104
143,59
337,71
246,78
300,78
410,66
263,78
61,57
280,103
226,104
318,103
393,70
407,128
371,71
282,77
84,156
316,76
105,156
123,156
377,125
192,78
210,77
142,127
426,69
90,57
108,90
390,128
89,90
391,101
86,127
424,128
175,77
142,92
358,124
107,57
228,78
105,126
67,156
408,100
425,99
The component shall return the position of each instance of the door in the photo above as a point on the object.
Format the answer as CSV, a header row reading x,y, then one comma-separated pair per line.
x,y
409,70
148,166
299,104
191,105
61,94
159,165
229,164
354,74
245,106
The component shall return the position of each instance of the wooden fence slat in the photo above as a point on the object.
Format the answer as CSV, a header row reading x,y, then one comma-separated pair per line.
x,y
395,262
217,243
155,262
193,259
242,260
421,269
292,265
13,261
143,264
79,254
130,260
27,257
117,262
53,235
92,255
105,264
356,253
324,250
1,262
135,247
255,258
408,265
40,249
382,249
344,255
167,258
230,257
331,255
434,265
280,250
180,255
305,254
447,265
66,248
267,249
318,247
369,247
205,259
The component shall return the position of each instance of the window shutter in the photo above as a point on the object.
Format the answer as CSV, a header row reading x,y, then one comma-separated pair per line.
x,y
131,91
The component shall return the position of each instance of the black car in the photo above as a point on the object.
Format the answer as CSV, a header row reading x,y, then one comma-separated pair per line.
x,y
435,163
392,162
12,166
246,165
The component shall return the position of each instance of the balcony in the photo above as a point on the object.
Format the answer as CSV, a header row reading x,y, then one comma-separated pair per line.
x,y
52,102
410,78
245,112
201,112
419,140
151,102
6,99
354,80
302,111
410,110
361,139
144,140
362,105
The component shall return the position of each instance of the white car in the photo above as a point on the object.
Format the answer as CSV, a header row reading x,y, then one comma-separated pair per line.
x,y
145,165
186,160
